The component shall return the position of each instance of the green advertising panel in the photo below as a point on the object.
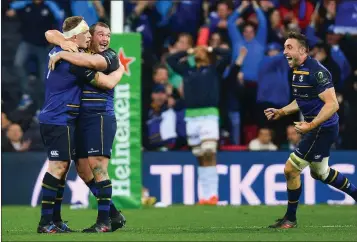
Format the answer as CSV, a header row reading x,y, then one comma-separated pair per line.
x,y
125,164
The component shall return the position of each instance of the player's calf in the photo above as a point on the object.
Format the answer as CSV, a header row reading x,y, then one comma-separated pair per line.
x,y
292,171
209,170
321,171
99,166
50,187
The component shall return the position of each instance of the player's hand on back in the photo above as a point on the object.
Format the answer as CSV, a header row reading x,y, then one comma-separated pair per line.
x,y
53,60
69,46
273,114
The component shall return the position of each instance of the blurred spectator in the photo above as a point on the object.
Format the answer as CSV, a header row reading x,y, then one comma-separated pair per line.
x,y
276,32
232,90
325,17
183,43
5,123
263,141
255,43
217,21
14,140
322,53
164,125
160,75
337,51
91,11
215,40
36,18
143,17
273,89
185,17
349,138
292,137
296,13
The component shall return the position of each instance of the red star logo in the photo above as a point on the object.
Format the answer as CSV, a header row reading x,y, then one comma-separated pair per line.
x,y
125,61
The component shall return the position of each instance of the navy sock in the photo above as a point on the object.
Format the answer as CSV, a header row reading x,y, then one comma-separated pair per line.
x,y
49,193
58,202
104,198
293,202
339,181
113,212
93,187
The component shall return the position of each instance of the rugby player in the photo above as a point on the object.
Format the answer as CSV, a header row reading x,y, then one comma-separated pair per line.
x,y
315,98
201,93
97,126
58,116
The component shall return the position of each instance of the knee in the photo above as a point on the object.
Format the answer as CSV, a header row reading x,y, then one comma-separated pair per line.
x,y
98,165
290,173
320,170
84,171
209,149
58,169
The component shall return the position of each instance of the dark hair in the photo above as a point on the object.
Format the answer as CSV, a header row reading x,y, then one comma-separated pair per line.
x,y
188,36
101,24
157,67
300,38
249,23
71,22
229,4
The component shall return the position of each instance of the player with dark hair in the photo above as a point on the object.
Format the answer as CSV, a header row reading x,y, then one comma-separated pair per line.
x,y
96,126
57,120
315,98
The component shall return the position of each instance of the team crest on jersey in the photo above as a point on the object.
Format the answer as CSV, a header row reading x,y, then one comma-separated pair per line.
x,y
322,77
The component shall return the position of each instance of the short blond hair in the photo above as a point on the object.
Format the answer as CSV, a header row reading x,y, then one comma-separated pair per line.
x,y
71,22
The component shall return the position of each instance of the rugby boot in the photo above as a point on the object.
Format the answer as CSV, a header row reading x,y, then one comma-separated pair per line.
x,y
63,226
284,223
99,227
50,228
118,221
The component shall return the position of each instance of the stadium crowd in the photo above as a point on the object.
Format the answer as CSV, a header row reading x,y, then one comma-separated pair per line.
x,y
252,30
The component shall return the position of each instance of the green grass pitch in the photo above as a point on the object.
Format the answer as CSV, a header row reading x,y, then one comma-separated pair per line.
x,y
193,223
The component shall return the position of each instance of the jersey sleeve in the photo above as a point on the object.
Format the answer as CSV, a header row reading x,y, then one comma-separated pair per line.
x,y
322,80
84,74
112,60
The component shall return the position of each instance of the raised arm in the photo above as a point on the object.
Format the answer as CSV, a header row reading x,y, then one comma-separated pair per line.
x,y
262,27
233,32
225,55
55,37
173,61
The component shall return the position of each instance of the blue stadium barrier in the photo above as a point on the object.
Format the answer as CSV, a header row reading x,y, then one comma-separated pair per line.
x,y
245,178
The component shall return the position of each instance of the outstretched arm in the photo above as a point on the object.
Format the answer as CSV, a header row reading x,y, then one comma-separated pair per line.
x,y
96,62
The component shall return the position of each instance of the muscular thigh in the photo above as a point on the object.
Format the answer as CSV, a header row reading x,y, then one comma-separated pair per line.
x,y
316,145
58,141
99,132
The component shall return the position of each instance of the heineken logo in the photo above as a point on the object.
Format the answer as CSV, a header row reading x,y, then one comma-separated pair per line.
x,y
126,61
